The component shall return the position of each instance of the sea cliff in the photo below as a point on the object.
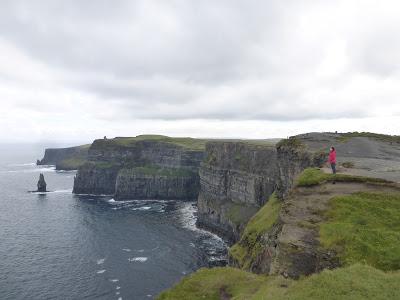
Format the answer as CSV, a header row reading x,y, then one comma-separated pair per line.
x,y
319,235
143,167
236,178
70,158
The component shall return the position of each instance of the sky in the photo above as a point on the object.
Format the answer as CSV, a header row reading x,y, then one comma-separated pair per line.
x,y
73,71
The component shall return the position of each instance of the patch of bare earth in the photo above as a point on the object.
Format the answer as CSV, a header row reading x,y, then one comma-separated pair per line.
x,y
298,251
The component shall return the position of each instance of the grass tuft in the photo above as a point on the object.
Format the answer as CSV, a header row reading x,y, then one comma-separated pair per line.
x,y
364,227
315,176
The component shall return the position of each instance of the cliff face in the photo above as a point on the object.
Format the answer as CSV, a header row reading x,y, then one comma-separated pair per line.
x,y
153,167
293,156
96,179
65,158
157,183
236,178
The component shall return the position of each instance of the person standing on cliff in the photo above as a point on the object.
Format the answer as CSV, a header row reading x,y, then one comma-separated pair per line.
x,y
332,159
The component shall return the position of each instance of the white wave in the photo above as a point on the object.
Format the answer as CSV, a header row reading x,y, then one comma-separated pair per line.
x,y
62,191
140,250
138,259
117,293
111,200
114,280
126,249
188,220
95,195
66,171
120,298
117,287
39,170
101,261
22,165
100,271
52,192
142,208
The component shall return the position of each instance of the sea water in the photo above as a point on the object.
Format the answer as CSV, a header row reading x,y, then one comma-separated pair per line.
x,y
64,246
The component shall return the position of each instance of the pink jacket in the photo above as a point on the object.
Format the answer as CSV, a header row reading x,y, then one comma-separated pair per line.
x,y
332,157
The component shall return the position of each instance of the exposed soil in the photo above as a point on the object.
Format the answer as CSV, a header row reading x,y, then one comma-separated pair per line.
x,y
298,251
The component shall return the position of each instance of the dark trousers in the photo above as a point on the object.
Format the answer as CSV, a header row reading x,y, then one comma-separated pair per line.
x,y
333,166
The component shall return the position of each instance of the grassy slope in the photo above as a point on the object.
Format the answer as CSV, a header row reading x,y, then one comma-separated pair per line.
x,y
249,247
71,163
357,282
364,227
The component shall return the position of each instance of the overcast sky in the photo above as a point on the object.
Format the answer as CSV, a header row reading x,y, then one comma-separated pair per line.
x,y
77,70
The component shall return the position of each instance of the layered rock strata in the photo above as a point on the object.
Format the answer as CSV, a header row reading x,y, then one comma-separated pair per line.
x,y
236,178
142,168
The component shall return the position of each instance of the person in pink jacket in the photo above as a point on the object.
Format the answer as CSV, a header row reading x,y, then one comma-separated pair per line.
x,y
332,159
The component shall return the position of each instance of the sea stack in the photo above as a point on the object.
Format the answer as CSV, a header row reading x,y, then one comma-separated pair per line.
x,y
41,185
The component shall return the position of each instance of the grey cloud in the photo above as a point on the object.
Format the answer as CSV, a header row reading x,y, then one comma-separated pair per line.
x,y
228,60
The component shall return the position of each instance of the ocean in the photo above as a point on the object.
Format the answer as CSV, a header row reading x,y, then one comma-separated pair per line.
x,y
64,246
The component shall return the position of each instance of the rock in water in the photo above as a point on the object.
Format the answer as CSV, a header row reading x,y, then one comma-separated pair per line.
x,y
41,185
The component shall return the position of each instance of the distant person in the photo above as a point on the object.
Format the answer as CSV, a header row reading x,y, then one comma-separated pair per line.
x,y
332,159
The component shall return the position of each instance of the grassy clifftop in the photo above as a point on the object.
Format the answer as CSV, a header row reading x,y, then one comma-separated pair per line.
x,y
314,176
357,219
186,142
357,282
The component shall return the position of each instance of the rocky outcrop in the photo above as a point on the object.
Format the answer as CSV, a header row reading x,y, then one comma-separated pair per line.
x,y
65,158
236,178
41,185
293,156
156,183
144,167
96,178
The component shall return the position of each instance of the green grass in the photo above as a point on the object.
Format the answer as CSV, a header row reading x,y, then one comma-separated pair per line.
x,y
357,282
293,142
344,137
364,227
186,142
71,163
154,170
315,176
239,213
249,247
208,284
